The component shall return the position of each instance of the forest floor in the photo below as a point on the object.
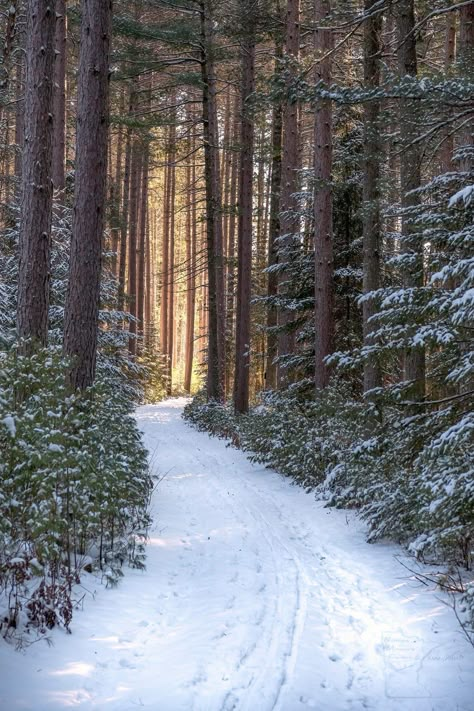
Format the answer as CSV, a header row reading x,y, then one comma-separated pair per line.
x,y
255,598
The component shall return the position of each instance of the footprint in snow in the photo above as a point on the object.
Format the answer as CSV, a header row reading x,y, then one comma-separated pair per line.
x,y
335,657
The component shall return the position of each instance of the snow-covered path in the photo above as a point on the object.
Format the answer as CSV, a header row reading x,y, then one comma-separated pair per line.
x,y
255,598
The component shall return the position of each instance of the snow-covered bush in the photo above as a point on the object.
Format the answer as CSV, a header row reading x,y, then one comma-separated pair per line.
x,y
74,490
410,475
213,417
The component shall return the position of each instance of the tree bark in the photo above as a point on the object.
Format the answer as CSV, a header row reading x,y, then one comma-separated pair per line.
x,y
466,65
59,106
274,233
410,179
447,149
164,312
216,316
142,248
244,278
124,222
289,220
37,193
323,222
135,174
191,238
371,219
83,297
171,255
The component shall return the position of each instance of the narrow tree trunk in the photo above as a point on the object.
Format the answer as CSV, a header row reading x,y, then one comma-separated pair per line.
x,y
135,174
124,222
142,247
59,108
216,317
371,226
289,220
171,257
165,254
447,148
410,179
466,64
5,65
231,243
191,237
323,227
83,297
37,196
149,268
242,340
272,283
19,119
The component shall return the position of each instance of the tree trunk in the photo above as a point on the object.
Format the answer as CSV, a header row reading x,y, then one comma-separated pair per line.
x,y
142,247
272,283
289,220
59,107
171,247
242,340
191,237
371,219
19,119
37,195
410,179
447,148
165,253
323,227
231,243
83,297
124,222
216,316
466,64
135,174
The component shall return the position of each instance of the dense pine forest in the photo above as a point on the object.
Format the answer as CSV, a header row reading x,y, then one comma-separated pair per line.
x,y
264,205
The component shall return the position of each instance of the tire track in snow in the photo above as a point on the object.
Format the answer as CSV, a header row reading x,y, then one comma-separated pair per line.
x,y
283,643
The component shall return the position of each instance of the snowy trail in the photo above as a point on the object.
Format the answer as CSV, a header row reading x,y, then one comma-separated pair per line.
x,y
255,598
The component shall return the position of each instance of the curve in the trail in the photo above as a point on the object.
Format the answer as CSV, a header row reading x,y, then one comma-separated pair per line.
x,y
255,598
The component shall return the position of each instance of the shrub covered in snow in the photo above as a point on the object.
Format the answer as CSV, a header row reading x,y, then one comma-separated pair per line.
x,y
410,475
75,488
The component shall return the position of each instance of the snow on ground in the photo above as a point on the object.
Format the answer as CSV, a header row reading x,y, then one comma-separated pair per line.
x,y
255,598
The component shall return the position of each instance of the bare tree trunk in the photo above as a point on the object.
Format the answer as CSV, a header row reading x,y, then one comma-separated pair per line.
x,y
124,223
59,107
231,243
142,247
323,227
242,340
410,179
216,317
37,194
272,283
447,149
19,118
165,253
81,315
466,64
371,220
149,278
5,65
289,220
191,237
135,174
171,243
